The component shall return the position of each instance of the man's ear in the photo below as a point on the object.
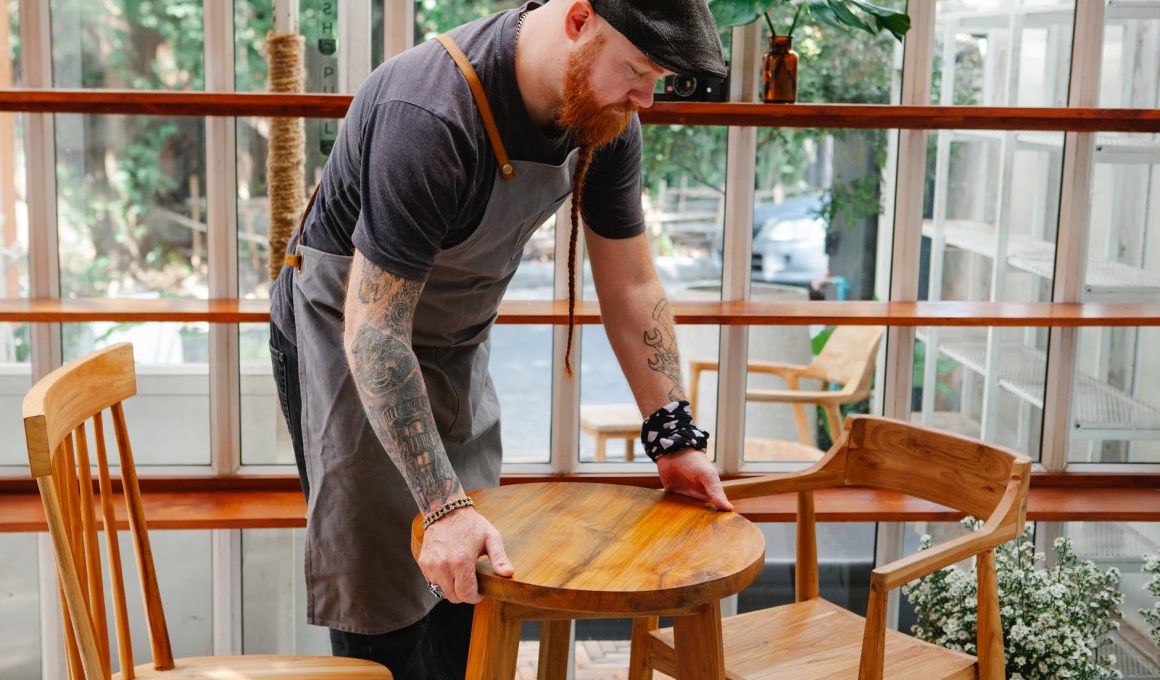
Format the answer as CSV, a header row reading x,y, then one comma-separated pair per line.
x,y
578,18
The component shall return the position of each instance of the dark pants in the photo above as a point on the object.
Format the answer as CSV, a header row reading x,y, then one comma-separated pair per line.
x,y
435,647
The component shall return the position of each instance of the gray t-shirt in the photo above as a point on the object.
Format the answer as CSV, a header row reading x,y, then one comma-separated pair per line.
x,y
412,169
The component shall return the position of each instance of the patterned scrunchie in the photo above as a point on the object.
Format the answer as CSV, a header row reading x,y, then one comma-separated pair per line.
x,y
671,429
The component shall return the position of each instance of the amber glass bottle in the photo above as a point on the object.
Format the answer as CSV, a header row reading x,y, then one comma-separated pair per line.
x,y
781,68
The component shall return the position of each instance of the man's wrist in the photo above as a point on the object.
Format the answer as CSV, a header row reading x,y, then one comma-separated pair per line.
x,y
671,428
446,509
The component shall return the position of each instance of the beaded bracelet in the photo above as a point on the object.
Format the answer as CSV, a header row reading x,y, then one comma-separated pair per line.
x,y
447,507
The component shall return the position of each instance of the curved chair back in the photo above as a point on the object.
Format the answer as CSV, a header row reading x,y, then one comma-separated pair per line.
x,y
57,411
848,358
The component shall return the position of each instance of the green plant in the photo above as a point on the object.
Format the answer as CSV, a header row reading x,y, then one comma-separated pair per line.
x,y
841,14
1152,616
1054,619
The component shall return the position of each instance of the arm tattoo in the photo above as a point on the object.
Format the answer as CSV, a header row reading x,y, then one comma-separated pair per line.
x,y
665,359
390,384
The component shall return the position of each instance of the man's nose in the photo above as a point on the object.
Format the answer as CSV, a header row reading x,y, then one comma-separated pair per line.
x,y
642,98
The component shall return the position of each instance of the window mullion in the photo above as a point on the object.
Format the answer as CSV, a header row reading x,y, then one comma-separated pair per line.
x,y
221,218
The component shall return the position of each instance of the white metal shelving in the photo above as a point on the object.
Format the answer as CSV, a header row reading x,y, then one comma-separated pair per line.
x,y
1012,248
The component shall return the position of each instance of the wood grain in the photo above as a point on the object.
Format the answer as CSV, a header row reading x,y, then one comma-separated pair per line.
x,y
815,640
494,645
613,549
260,667
736,313
852,116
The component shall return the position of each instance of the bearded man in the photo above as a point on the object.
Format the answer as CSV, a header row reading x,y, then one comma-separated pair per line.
x,y
450,157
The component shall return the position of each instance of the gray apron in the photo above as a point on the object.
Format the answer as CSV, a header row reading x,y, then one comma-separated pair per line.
x,y
360,576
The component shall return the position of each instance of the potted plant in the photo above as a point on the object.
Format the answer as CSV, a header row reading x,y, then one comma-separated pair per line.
x,y
781,62
1152,616
1055,620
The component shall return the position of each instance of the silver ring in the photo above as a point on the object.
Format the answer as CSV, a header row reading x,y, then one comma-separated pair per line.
x,y
436,590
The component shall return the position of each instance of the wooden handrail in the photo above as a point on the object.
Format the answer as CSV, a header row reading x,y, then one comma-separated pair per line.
x,y
848,116
756,313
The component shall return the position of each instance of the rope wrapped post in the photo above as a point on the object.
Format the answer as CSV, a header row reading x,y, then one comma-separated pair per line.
x,y
286,160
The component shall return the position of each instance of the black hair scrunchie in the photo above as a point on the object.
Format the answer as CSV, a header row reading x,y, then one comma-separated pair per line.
x,y
671,428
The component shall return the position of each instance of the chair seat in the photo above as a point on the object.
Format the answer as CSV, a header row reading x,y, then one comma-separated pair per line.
x,y
816,640
258,666
618,420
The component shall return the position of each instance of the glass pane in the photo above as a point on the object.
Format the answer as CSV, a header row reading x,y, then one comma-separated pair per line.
x,y
845,559
15,339
521,368
842,66
168,419
684,208
1116,394
974,44
185,577
996,396
318,23
1121,545
265,437
20,653
274,595
1131,62
433,17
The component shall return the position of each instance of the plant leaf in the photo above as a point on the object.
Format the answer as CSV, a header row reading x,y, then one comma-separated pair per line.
x,y
898,23
844,14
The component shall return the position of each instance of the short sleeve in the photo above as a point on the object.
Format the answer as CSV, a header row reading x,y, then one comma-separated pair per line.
x,y
611,202
413,171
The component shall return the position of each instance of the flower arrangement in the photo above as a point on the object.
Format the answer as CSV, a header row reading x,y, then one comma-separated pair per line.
x,y
1054,620
1152,616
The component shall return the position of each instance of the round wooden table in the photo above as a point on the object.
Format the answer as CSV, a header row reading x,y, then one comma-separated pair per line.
x,y
606,551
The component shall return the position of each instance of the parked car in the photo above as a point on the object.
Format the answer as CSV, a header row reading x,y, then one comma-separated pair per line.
x,y
789,242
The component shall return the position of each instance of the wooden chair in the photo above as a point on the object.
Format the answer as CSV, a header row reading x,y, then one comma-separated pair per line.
x,y
814,639
56,412
846,360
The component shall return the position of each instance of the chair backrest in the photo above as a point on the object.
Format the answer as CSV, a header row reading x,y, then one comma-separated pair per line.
x,y
56,411
959,472
847,359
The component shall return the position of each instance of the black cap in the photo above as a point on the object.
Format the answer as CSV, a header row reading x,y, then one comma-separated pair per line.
x,y
679,35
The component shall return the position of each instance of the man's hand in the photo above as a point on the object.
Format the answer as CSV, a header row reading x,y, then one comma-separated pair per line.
x,y
450,548
690,473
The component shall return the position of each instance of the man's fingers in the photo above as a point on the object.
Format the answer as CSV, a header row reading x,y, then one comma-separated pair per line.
x,y
466,586
500,563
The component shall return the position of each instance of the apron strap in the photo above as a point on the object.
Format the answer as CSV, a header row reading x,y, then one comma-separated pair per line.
x,y
295,260
501,158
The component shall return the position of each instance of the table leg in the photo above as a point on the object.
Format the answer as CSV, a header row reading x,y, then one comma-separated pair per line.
x,y
601,440
494,643
629,448
700,654
638,668
557,649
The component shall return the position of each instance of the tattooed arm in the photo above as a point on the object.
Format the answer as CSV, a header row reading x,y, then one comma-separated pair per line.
x,y
379,313
639,323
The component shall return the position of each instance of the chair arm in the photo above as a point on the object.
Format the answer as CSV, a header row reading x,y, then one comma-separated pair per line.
x,y
784,370
926,562
793,396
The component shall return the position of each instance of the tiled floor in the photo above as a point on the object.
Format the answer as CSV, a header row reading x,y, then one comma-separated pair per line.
x,y
595,660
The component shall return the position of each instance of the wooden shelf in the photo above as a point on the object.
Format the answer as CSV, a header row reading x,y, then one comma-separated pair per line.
x,y
272,503
849,116
756,313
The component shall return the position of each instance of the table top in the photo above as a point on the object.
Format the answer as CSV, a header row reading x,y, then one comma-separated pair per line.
x,y
607,548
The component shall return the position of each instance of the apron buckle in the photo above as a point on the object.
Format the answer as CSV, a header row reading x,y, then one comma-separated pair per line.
x,y
293,261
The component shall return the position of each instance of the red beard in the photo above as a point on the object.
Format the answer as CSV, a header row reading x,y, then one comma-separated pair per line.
x,y
593,125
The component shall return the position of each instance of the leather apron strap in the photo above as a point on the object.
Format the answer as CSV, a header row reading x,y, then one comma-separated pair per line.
x,y
506,170
501,158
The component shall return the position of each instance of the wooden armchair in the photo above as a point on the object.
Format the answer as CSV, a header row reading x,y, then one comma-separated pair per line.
x,y
812,638
56,412
847,360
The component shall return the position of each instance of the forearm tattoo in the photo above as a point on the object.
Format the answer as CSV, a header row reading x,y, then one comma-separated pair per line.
x,y
665,360
390,384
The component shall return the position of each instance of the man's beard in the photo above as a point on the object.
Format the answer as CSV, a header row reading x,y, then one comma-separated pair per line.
x,y
593,125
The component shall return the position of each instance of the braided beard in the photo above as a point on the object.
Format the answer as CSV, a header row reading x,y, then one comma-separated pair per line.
x,y
593,126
